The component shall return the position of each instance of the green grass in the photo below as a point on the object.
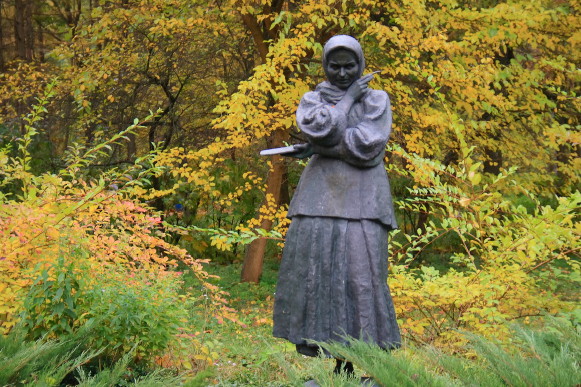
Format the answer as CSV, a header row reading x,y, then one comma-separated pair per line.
x,y
246,354
250,356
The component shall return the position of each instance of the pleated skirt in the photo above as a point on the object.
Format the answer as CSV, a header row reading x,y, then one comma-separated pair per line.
x,y
332,284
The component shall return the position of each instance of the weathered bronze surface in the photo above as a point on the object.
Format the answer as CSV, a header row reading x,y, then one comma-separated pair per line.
x,y
332,279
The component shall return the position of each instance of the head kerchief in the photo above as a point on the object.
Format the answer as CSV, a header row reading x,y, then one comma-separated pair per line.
x,y
347,42
329,92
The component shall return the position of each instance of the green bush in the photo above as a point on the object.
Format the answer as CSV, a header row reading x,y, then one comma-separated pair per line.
x,y
145,312
148,313
52,303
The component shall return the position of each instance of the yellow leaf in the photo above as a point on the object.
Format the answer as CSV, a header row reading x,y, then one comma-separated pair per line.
x,y
52,233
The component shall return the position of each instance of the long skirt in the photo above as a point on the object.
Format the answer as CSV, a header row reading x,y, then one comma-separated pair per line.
x,y
332,284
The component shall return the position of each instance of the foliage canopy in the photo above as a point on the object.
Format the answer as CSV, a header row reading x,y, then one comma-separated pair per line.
x,y
484,157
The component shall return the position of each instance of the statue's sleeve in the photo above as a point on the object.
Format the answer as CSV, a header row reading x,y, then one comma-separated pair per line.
x,y
363,144
320,122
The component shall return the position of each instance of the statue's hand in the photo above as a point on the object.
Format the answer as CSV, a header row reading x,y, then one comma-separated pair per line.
x,y
302,151
359,87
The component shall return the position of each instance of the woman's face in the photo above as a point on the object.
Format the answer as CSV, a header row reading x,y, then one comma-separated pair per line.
x,y
342,68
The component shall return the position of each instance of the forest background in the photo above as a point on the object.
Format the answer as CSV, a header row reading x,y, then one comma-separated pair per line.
x,y
130,175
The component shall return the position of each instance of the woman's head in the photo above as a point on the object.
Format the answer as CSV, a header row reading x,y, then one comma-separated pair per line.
x,y
343,60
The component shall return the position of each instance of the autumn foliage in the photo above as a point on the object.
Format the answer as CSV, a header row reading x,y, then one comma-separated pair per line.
x,y
484,156
512,257
78,250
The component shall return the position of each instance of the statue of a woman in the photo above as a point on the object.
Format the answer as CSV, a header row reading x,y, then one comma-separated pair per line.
x,y
332,279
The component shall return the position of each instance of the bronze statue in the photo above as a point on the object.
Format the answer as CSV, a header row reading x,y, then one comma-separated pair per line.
x,y
332,279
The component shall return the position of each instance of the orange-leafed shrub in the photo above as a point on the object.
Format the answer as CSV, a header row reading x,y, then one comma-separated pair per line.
x,y
75,249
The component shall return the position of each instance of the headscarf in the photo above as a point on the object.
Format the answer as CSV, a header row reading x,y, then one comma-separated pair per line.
x,y
347,42
331,93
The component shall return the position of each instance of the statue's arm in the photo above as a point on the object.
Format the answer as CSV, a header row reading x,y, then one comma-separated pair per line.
x,y
363,145
321,123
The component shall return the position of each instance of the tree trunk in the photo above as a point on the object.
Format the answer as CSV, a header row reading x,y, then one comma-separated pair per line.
x,y
23,29
262,33
131,146
2,59
29,31
19,28
254,257
41,50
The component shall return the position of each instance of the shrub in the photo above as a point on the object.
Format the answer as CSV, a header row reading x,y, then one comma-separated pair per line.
x,y
51,307
126,310
145,312
75,248
510,262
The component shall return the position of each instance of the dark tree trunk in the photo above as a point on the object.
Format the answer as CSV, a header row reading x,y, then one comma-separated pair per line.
x,y
19,35
131,146
262,33
2,59
23,29
40,42
254,258
29,31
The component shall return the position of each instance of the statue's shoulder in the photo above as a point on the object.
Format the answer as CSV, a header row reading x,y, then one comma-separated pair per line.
x,y
311,97
377,94
376,99
312,94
